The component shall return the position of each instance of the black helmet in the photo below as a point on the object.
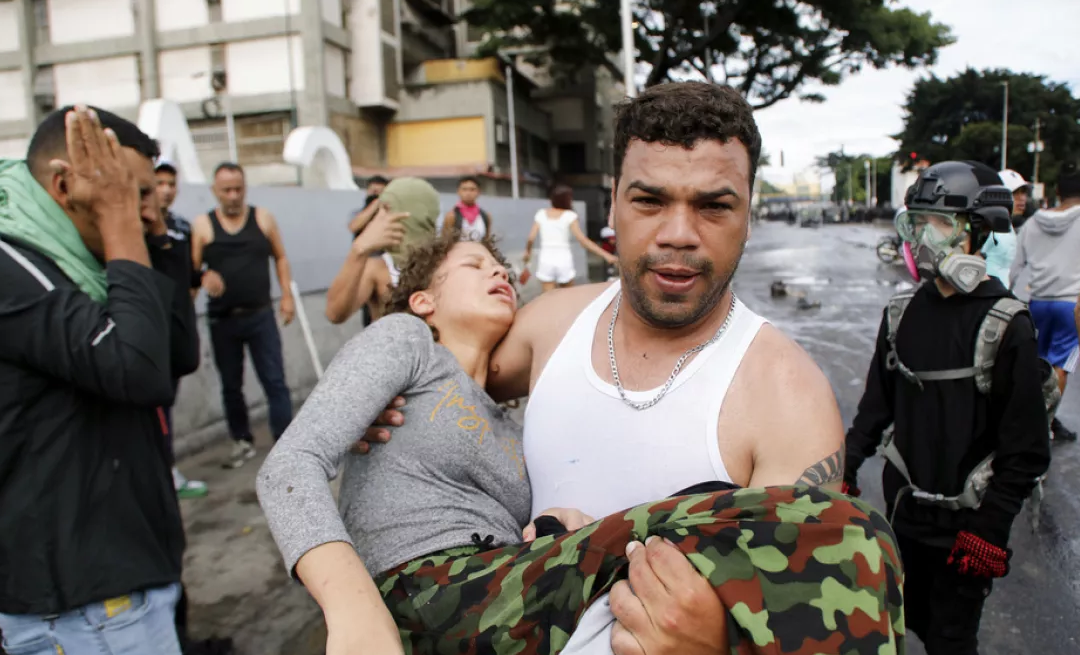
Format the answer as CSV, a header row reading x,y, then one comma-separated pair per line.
x,y
964,187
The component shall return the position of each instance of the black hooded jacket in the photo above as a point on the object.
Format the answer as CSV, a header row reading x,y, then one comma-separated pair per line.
x,y
170,255
944,430
88,510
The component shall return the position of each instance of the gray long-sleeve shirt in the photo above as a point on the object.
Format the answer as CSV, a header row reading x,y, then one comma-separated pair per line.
x,y
453,470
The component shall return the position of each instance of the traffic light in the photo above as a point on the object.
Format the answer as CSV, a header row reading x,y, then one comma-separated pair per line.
x,y
914,156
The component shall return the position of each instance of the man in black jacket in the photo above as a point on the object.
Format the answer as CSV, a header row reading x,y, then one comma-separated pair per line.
x,y
90,532
949,419
173,234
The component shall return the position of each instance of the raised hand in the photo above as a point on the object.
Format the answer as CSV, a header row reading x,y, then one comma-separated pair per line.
x,y
98,179
384,231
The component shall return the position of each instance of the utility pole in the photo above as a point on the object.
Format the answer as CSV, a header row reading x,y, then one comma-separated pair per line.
x,y
626,17
1005,127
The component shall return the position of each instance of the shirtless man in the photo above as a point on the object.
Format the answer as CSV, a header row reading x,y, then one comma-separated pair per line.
x,y
662,380
404,216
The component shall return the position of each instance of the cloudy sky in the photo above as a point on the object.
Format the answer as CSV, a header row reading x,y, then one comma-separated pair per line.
x,y
1037,36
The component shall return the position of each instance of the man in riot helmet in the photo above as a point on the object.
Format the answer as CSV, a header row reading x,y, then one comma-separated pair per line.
x,y
956,373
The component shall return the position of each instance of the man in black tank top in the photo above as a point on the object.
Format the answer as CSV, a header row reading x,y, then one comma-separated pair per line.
x,y
232,245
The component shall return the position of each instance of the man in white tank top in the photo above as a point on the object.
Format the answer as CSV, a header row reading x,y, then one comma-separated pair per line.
x,y
662,380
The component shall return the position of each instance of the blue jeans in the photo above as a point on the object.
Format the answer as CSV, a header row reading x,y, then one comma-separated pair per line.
x,y
259,332
139,623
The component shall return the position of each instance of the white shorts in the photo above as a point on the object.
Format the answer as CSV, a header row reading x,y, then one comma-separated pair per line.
x,y
556,267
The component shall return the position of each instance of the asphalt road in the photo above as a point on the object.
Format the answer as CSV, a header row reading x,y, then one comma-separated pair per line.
x,y
1036,607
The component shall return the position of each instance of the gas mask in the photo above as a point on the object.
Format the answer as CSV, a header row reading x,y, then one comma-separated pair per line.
x,y
935,239
961,270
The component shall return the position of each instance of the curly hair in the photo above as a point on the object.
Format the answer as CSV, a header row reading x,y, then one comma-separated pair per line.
x,y
683,113
418,271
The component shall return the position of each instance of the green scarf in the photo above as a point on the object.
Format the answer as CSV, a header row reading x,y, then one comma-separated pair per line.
x,y
29,215
421,200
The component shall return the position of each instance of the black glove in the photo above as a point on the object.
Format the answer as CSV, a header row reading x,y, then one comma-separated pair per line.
x,y
974,556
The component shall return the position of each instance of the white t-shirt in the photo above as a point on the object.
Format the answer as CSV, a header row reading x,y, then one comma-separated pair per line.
x,y
554,232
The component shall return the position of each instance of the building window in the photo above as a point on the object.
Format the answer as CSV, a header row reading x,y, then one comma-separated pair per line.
x,y
540,149
572,159
391,83
386,9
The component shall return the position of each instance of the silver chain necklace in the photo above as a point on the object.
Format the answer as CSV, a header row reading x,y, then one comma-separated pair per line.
x,y
678,365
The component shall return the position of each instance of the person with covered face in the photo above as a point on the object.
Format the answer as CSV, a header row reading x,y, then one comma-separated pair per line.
x,y
404,216
91,538
957,375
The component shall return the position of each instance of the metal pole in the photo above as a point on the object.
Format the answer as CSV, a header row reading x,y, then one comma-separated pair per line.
x,y
513,131
1035,174
850,185
874,181
305,327
230,126
866,167
627,18
1005,127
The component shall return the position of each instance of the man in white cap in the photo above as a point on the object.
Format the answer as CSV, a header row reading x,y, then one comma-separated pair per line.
x,y
1000,249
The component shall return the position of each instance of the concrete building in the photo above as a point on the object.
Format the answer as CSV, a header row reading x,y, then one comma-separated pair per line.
x,y
282,63
391,77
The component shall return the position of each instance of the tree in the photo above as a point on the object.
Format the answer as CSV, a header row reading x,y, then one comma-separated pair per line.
x,y
768,49
960,118
852,169
770,189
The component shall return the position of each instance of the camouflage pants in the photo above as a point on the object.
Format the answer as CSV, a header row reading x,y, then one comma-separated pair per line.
x,y
799,570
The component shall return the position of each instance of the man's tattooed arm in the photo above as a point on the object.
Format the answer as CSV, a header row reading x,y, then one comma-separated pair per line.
x,y
828,471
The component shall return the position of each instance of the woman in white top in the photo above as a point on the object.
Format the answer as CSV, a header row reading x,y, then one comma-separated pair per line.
x,y
555,226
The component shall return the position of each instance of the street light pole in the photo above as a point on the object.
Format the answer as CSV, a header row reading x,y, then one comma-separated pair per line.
x,y
508,54
1038,148
626,17
1005,127
513,130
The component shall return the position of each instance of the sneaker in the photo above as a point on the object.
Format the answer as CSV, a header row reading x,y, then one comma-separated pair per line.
x,y
242,451
188,488
1060,432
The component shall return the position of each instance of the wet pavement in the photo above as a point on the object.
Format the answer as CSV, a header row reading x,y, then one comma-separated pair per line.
x,y
238,587
1036,608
